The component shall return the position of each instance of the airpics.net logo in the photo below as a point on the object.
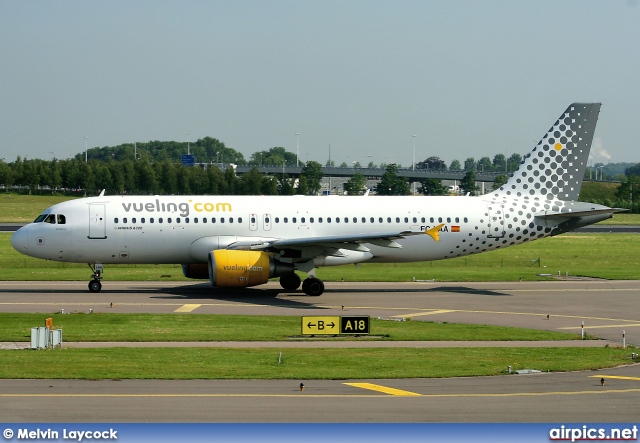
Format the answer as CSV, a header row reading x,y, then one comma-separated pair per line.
x,y
587,433
183,208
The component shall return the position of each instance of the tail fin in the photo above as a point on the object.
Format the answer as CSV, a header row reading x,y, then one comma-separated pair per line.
x,y
555,168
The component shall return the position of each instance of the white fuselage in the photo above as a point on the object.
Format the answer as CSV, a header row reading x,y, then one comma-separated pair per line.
x,y
183,229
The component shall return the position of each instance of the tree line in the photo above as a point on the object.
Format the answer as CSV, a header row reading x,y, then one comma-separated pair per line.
x,y
155,168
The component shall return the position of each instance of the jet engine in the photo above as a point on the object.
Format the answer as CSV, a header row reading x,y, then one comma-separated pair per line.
x,y
239,269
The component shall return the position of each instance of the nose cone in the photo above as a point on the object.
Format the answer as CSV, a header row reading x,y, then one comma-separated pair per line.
x,y
20,240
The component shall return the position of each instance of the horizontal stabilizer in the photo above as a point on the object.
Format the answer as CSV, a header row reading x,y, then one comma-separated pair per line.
x,y
567,215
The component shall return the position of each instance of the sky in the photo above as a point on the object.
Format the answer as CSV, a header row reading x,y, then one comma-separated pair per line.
x,y
357,80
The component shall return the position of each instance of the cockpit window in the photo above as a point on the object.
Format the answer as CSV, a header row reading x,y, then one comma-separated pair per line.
x,y
40,218
61,219
51,218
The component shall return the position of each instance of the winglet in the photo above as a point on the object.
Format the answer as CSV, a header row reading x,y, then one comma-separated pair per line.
x,y
434,232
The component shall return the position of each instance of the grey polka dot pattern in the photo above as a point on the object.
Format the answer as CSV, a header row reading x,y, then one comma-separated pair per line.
x,y
547,182
555,168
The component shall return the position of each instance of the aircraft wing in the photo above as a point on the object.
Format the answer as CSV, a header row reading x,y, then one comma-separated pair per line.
x,y
346,241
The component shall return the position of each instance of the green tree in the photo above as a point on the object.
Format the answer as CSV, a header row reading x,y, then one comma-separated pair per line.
x,y
485,165
312,173
628,192
432,186
470,164
391,183
356,185
468,183
500,180
455,166
251,182
513,162
499,162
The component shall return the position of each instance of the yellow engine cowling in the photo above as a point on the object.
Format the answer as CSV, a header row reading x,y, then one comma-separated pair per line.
x,y
240,269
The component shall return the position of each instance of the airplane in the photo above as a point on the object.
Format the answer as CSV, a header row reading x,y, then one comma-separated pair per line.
x,y
243,241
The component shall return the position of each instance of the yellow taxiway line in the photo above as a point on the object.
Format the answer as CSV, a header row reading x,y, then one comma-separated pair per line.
x,y
384,389
187,308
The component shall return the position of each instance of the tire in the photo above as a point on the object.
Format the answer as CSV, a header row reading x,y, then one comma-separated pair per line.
x,y
290,282
314,287
95,286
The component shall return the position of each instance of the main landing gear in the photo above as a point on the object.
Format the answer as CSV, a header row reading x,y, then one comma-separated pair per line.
x,y
311,286
95,285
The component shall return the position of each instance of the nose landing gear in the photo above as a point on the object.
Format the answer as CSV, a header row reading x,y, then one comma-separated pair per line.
x,y
95,285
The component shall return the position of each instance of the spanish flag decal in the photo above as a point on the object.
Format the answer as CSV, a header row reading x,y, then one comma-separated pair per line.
x,y
455,228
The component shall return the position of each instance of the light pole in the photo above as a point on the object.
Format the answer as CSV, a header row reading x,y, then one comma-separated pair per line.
x,y
188,153
414,153
86,140
297,147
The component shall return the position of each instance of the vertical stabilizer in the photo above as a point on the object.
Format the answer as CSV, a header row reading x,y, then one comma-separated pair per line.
x,y
555,168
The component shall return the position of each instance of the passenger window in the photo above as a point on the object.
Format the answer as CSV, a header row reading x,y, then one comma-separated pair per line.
x,y
61,219
397,219
221,219
415,220
178,220
302,220
142,220
124,220
457,220
431,220
186,220
151,220
204,219
253,220
239,219
294,220
285,220
364,220
169,220
133,220
337,219
406,220
448,219
277,219
319,219
388,219
422,220
439,219
160,220
346,219
372,220
115,220
230,219
328,219
311,219
213,219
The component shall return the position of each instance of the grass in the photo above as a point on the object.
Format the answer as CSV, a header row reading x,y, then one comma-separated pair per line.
x,y
189,327
608,256
25,208
300,364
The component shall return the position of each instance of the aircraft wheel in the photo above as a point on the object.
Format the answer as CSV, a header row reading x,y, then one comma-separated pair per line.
x,y
95,286
313,286
290,282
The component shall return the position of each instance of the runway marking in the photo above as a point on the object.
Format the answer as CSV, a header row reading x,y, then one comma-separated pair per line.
x,y
419,314
618,377
187,308
385,389
626,325
306,394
